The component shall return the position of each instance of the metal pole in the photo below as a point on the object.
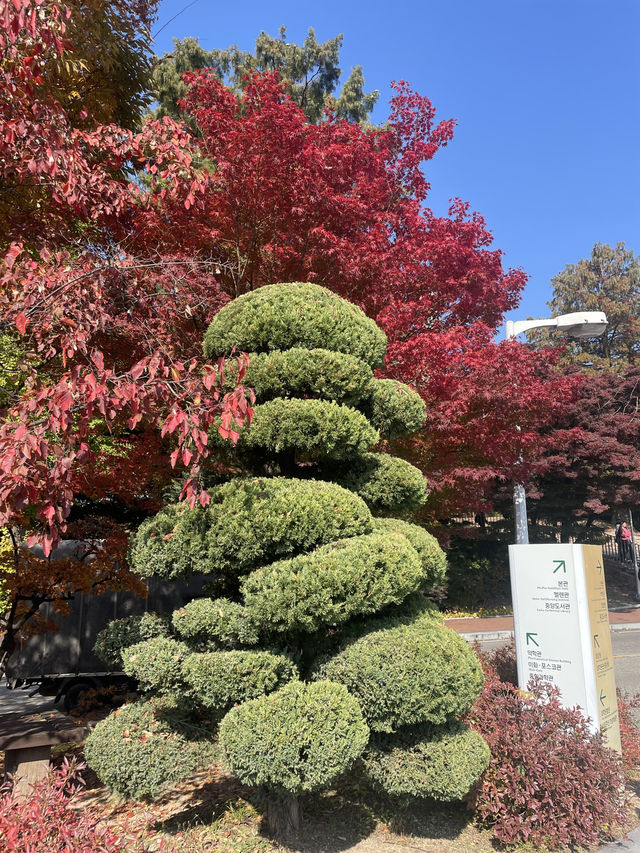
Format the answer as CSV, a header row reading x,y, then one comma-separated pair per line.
x,y
634,554
521,527
520,514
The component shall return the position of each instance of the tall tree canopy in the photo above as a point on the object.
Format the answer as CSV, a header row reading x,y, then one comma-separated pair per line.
x,y
592,460
105,339
591,463
609,281
311,73
107,75
344,206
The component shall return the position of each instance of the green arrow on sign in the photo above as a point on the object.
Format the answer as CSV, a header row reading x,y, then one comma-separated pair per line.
x,y
530,637
595,641
599,568
561,565
602,697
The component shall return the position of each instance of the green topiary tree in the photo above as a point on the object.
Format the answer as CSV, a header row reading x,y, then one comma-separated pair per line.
x,y
325,648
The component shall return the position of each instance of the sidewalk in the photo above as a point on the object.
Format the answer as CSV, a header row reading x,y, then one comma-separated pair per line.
x,y
498,627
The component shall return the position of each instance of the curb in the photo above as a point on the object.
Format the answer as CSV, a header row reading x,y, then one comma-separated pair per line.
x,y
472,636
630,842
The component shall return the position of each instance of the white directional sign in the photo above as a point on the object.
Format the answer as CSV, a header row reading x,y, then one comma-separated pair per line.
x,y
561,625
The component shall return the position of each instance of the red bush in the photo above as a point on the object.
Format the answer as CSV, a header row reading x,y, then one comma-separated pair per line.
x,y
45,821
550,781
629,734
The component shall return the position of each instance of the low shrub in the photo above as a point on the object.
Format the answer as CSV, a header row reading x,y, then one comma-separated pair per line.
x,y
550,780
142,747
220,679
407,675
157,664
214,623
422,761
500,663
46,820
333,583
629,734
122,633
296,740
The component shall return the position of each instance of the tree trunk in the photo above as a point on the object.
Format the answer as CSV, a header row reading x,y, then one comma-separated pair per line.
x,y
283,816
8,646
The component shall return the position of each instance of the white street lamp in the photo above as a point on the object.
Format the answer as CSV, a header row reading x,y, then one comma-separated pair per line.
x,y
581,324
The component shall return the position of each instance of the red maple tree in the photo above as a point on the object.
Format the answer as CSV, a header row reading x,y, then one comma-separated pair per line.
x,y
107,343
345,206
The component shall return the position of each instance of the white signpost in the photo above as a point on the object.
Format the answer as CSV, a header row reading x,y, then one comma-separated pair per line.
x,y
561,625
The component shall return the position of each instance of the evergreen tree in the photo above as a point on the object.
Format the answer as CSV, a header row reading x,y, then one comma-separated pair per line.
x,y
609,281
325,648
311,72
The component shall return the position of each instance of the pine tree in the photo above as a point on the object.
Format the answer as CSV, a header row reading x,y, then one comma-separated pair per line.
x,y
310,71
325,647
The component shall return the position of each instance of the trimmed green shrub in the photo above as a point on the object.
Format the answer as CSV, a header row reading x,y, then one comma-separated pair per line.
x,y
257,521
282,316
306,570
393,408
333,583
157,664
220,679
122,633
301,372
215,624
172,544
407,674
434,562
141,748
249,522
386,484
311,428
296,740
422,761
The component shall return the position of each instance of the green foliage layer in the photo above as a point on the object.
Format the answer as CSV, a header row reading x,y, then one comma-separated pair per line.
x,y
388,485
393,408
122,633
220,679
282,316
171,544
257,521
301,372
248,523
333,583
309,428
407,675
142,747
157,664
421,761
296,740
434,561
214,624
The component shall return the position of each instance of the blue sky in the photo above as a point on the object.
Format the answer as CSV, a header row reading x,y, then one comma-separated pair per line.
x,y
545,93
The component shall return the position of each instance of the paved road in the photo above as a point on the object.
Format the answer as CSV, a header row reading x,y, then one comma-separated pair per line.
x,y
626,656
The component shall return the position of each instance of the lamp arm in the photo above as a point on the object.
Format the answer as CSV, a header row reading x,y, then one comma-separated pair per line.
x,y
519,326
